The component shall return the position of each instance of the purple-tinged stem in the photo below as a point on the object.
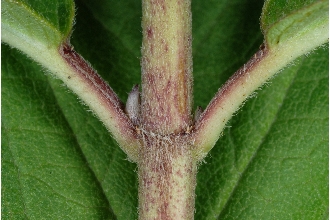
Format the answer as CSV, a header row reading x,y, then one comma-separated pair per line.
x,y
166,66
104,102
292,36
167,168
167,178
228,99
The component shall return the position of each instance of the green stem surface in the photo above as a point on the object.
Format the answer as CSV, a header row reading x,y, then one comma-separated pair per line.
x,y
166,66
167,169
167,178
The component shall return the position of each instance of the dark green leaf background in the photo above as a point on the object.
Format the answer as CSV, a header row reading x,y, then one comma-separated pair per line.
x,y
59,162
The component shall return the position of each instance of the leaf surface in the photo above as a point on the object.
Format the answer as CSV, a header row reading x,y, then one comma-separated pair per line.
x,y
272,158
44,172
59,162
298,21
36,23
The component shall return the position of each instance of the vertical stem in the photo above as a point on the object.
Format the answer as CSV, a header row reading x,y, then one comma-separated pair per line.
x,y
167,169
167,179
166,66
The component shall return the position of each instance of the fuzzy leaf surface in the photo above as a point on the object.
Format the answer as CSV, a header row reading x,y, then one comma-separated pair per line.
x,y
37,22
282,21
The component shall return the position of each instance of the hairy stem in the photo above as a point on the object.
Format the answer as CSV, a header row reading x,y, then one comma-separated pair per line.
x,y
95,92
295,35
167,169
167,178
51,48
166,66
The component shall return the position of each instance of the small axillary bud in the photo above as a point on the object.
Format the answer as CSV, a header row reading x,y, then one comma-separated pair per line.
x,y
198,113
132,107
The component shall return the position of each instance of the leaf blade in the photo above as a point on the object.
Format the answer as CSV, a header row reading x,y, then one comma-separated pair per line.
x,y
232,158
52,174
285,21
46,23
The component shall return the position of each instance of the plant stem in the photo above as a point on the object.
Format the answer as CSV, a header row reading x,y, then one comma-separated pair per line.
x,y
166,66
167,169
167,178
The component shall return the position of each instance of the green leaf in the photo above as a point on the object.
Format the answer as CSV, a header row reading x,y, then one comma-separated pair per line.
x,y
59,162
298,21
274,11
45,173
273,158
36,22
